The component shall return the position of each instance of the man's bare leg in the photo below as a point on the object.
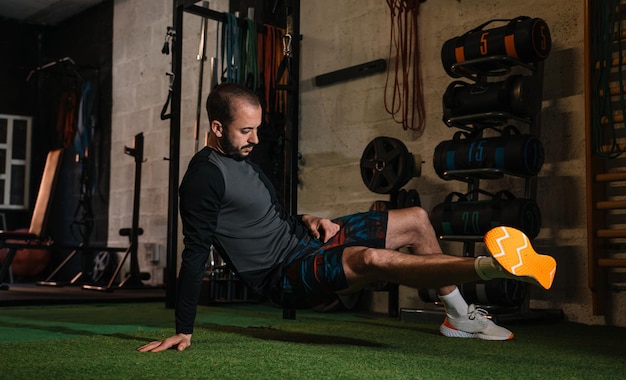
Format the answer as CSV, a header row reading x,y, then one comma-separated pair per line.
x,y
364,266
425,267
411,228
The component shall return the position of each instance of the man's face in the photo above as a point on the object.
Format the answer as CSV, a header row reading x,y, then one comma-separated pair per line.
x,y
240,137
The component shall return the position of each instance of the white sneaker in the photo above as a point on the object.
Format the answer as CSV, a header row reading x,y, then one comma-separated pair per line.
x,y
474,324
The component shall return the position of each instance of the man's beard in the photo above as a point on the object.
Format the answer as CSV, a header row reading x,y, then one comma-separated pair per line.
x,y
231,150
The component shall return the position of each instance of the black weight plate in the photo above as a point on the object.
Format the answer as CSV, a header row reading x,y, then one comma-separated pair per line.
x,y
385,165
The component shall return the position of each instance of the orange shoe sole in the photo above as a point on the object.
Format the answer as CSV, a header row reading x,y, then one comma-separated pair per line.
x,y
513,251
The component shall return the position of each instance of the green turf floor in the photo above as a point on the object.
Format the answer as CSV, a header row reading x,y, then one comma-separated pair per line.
x,y
254,342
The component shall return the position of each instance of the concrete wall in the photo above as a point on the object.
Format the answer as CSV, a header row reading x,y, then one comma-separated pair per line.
x,y
140,88
338,121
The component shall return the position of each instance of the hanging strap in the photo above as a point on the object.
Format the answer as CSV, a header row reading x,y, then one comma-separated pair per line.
x,y
283,78
164,114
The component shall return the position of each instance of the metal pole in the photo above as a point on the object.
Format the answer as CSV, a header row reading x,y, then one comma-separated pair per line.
x,y
174,159
294,19
201,58
137,153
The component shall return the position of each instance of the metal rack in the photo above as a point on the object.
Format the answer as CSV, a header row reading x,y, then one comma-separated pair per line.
x,y
476,123
180,7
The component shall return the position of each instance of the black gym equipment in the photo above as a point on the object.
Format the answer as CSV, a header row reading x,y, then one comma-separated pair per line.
x,y
514,97
511,153
405,198
459,216
352,72
104,264
387,165
484,104
522,40
36,236
104,256
134,279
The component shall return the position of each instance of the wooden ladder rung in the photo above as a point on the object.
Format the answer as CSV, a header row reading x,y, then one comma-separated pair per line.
x,y
613,148
615,62
614,90
612,263
617,233
611,177
610,205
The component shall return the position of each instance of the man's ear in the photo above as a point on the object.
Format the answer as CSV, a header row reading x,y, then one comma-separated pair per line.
x,y
217,128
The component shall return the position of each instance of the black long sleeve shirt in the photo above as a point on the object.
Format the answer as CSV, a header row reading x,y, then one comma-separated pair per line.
x,y
233,206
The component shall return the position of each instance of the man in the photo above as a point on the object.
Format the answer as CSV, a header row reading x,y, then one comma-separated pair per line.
x,y
226,202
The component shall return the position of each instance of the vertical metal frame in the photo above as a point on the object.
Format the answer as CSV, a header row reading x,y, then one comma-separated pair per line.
x,y
291,159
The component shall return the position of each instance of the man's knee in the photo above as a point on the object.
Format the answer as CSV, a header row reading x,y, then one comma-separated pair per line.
x,y
363,261
419,214
420,221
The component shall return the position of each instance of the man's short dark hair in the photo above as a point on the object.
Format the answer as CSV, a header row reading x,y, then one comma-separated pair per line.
x,y
220,100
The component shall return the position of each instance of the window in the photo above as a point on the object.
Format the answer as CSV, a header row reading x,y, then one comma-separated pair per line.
x,y
14,161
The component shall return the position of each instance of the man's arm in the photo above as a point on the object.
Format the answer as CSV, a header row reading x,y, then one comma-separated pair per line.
x,y
200,191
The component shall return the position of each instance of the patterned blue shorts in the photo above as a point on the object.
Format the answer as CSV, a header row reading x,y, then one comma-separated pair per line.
x,y
316,272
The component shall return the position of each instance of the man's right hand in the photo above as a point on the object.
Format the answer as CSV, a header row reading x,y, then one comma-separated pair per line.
x,y
320,228
180,341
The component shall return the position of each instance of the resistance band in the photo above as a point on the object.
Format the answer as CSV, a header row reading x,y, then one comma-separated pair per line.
x,y
275,101
252,78
407,101
239,53
230,56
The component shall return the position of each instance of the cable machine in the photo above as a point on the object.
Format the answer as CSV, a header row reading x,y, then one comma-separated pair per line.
x,y
180,7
